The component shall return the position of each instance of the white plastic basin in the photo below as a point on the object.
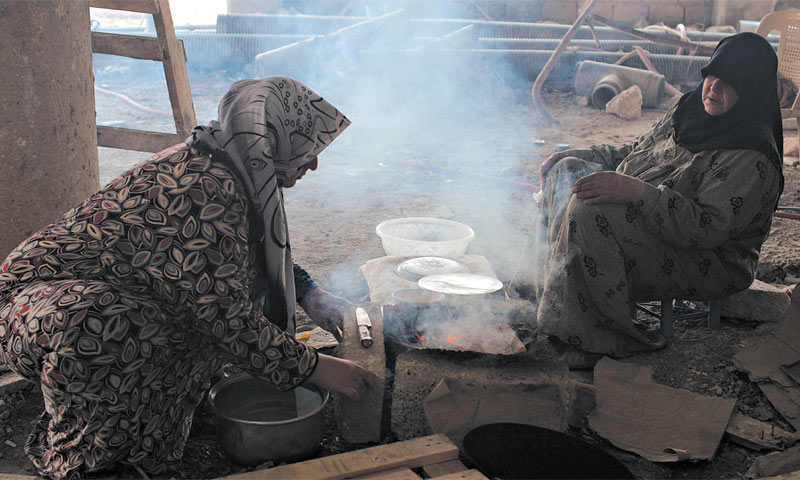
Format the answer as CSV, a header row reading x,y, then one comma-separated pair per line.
x,y
418,236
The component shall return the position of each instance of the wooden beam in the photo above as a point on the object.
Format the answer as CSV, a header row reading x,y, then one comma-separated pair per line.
x,y
471,474
131,46
141,6
403,473
412,453
443,468
138,140
174,60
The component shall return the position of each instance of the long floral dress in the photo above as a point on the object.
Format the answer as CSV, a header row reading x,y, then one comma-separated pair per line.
x,y
126,306
696,234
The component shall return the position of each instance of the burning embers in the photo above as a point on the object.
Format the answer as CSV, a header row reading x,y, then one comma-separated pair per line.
x,y
476,327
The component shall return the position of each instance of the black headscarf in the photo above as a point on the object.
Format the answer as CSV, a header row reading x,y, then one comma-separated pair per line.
x,y
746,62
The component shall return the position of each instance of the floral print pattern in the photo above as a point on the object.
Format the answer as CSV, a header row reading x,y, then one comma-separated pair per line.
x,y
126,306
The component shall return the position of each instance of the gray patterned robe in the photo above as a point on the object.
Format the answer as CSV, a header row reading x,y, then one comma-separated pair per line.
x,y
696,234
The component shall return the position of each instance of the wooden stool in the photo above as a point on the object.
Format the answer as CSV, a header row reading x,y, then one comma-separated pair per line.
x,y
708,308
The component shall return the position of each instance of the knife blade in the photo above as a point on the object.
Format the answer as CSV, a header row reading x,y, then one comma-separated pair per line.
x,y
362,317
363,321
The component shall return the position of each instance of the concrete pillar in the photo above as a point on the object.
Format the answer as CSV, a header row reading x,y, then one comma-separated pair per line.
x,y
48,137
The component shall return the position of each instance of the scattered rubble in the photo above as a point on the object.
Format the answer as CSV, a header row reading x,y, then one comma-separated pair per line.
x,y
761,302
627,104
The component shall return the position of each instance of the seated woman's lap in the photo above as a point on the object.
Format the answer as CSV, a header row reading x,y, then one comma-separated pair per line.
x,y
654,268
557,190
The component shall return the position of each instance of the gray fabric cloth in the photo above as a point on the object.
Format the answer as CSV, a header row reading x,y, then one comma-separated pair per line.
x,y
696,234
267,130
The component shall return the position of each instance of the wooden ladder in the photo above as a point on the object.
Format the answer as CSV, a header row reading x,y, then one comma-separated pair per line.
x,y
165,48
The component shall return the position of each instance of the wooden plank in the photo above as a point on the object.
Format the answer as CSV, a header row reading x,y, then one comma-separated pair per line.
x,y
410,453
784,476
174,59
10,382
141,6
775,463
443,468
138,140
757,435
465,475
131,46
403,473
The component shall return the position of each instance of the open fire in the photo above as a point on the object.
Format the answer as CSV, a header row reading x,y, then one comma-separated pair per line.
x,y
468,328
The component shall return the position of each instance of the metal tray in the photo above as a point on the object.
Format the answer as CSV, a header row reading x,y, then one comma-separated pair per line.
x,y
460,283
423,266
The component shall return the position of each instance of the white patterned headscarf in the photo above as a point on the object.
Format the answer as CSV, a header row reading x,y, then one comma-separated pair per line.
x,y
269,129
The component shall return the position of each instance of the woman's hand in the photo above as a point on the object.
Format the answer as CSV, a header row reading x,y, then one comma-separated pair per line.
x,y
326,310
545,167
608,187
343,376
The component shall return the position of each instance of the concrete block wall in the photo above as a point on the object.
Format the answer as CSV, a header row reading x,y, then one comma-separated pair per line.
x,y
636,12
729,12
630,12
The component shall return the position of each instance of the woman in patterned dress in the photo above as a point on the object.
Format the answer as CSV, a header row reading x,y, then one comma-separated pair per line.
x,y
126,306
680,213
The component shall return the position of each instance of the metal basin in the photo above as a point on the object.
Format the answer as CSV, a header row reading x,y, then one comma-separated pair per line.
x,y
257,422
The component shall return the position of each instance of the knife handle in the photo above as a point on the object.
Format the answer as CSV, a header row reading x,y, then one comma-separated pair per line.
x,y
366,338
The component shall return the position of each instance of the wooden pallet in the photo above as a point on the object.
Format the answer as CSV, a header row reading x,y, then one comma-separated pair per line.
x,y
435,455
165,48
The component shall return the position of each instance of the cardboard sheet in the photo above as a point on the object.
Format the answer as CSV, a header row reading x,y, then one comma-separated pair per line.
x,y
382,278
768,362
454,408
660,423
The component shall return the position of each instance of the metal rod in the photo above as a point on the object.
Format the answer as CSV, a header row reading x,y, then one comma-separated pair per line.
x,y
551,62
691,46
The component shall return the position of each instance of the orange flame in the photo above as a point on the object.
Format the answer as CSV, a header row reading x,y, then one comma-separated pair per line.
x,y
453,339
423,340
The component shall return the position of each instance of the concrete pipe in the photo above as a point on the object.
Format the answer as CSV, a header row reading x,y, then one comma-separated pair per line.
x,y
607,88
49,137
599,80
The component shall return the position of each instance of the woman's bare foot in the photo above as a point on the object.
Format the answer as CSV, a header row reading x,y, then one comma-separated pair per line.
x,y
580,360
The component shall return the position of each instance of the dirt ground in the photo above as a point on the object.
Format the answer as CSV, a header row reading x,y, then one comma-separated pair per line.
x,y
333,213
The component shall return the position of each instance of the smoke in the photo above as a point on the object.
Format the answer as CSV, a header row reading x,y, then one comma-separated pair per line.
x,y
429,114
436,122
478,325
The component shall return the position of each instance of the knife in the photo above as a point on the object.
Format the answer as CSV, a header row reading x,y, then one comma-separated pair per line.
x,y
362,319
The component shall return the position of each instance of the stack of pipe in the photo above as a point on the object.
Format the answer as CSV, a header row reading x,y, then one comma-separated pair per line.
x,y
307,25
525,45
321,24
240,38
